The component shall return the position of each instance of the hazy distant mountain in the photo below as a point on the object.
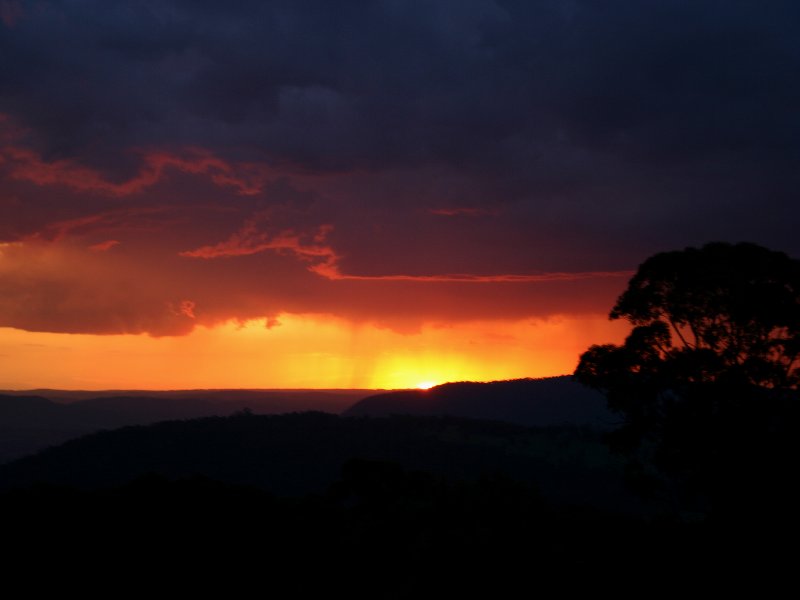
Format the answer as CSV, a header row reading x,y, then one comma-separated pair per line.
x,y
533,402
296,454
333,400
30,422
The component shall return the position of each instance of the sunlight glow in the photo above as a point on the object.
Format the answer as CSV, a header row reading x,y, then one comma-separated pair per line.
x,y
301,351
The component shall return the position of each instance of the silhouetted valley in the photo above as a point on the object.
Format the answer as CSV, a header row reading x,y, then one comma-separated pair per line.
x,y
34,420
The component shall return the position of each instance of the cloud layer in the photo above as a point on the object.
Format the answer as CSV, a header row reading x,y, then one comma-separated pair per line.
x,y
168,163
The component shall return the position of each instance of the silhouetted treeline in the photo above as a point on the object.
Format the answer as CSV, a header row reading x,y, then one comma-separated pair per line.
x,y
301,453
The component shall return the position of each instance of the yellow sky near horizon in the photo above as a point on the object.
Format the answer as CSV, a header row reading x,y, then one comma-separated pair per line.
x,y
302,351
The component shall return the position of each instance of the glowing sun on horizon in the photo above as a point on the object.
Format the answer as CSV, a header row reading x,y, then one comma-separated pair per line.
x,y
425,385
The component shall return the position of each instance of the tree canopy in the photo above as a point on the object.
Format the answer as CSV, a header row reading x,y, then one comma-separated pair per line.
x,y
723,311
715,339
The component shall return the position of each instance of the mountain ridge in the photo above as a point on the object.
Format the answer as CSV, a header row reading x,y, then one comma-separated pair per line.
x,y
543,402
32,422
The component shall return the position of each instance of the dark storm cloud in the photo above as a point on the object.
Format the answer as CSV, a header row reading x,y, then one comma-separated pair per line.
x,y
425,139
372,84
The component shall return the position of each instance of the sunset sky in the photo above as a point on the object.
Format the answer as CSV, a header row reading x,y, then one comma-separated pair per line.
x,y
370,194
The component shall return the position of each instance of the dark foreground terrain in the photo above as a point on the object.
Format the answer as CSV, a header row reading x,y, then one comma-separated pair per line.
x,y
379,532
301,505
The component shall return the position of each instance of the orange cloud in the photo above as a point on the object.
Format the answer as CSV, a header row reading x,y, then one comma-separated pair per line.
x,y
250,239
186,308
104,246
62,287
59,287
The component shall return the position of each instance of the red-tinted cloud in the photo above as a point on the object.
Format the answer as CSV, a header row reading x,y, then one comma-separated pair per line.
x,y
174,164
104,246
27,165
62,288
109,221
333,274
252,239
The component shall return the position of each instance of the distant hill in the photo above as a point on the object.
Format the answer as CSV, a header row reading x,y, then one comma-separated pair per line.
x,y
533,402
32,421
333,400
296,454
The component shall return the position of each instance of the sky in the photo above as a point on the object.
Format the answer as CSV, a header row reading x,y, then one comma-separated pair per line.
x,y
370,194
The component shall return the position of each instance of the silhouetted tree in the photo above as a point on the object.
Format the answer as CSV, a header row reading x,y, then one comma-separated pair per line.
x,y
712,358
